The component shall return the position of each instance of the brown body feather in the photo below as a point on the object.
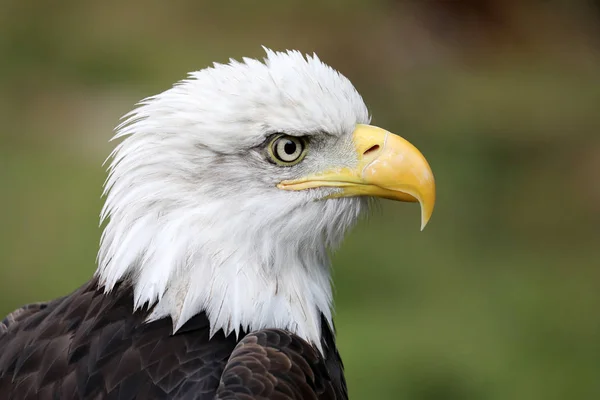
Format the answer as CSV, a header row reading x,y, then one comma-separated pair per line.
x,y
91,345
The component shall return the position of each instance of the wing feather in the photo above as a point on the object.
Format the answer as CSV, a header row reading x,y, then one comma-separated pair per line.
x,y
276,364
20,314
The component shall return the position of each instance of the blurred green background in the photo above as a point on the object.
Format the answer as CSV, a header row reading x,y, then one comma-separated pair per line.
x,y
497,299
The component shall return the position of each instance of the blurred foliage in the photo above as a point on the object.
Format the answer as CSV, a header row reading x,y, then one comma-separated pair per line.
x,y
496,299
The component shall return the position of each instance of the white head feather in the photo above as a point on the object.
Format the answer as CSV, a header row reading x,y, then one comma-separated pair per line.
x,y
195,219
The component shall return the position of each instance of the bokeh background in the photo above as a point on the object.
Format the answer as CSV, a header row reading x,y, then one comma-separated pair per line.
x,y
497,299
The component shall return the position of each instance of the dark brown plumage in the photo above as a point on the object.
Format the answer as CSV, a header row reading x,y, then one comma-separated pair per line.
x,y
89,345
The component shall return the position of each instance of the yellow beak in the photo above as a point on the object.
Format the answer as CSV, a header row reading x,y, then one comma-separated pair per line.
x,y
388,166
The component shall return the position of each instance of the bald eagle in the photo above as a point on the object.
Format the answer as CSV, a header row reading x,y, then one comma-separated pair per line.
x,y
213,276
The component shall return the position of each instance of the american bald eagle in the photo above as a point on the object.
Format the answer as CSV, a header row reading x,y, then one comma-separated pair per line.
x,y
213,277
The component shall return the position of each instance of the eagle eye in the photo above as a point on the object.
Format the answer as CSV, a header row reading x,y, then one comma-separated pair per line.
x,y
287,150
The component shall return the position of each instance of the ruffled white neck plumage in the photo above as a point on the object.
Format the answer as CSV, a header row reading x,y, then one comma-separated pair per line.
x,y
195,220
244,272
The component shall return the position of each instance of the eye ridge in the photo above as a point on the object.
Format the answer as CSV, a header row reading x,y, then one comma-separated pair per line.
x,y
286,150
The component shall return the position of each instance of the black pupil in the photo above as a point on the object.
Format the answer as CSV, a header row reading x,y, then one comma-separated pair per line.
x,y
289,147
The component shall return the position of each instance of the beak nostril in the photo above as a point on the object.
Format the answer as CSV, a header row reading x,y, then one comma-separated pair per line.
x,y
371,149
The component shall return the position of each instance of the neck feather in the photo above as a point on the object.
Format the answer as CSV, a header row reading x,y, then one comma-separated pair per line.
x,y
249,275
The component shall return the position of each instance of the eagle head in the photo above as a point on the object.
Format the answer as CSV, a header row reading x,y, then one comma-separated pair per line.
x,y
228,189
